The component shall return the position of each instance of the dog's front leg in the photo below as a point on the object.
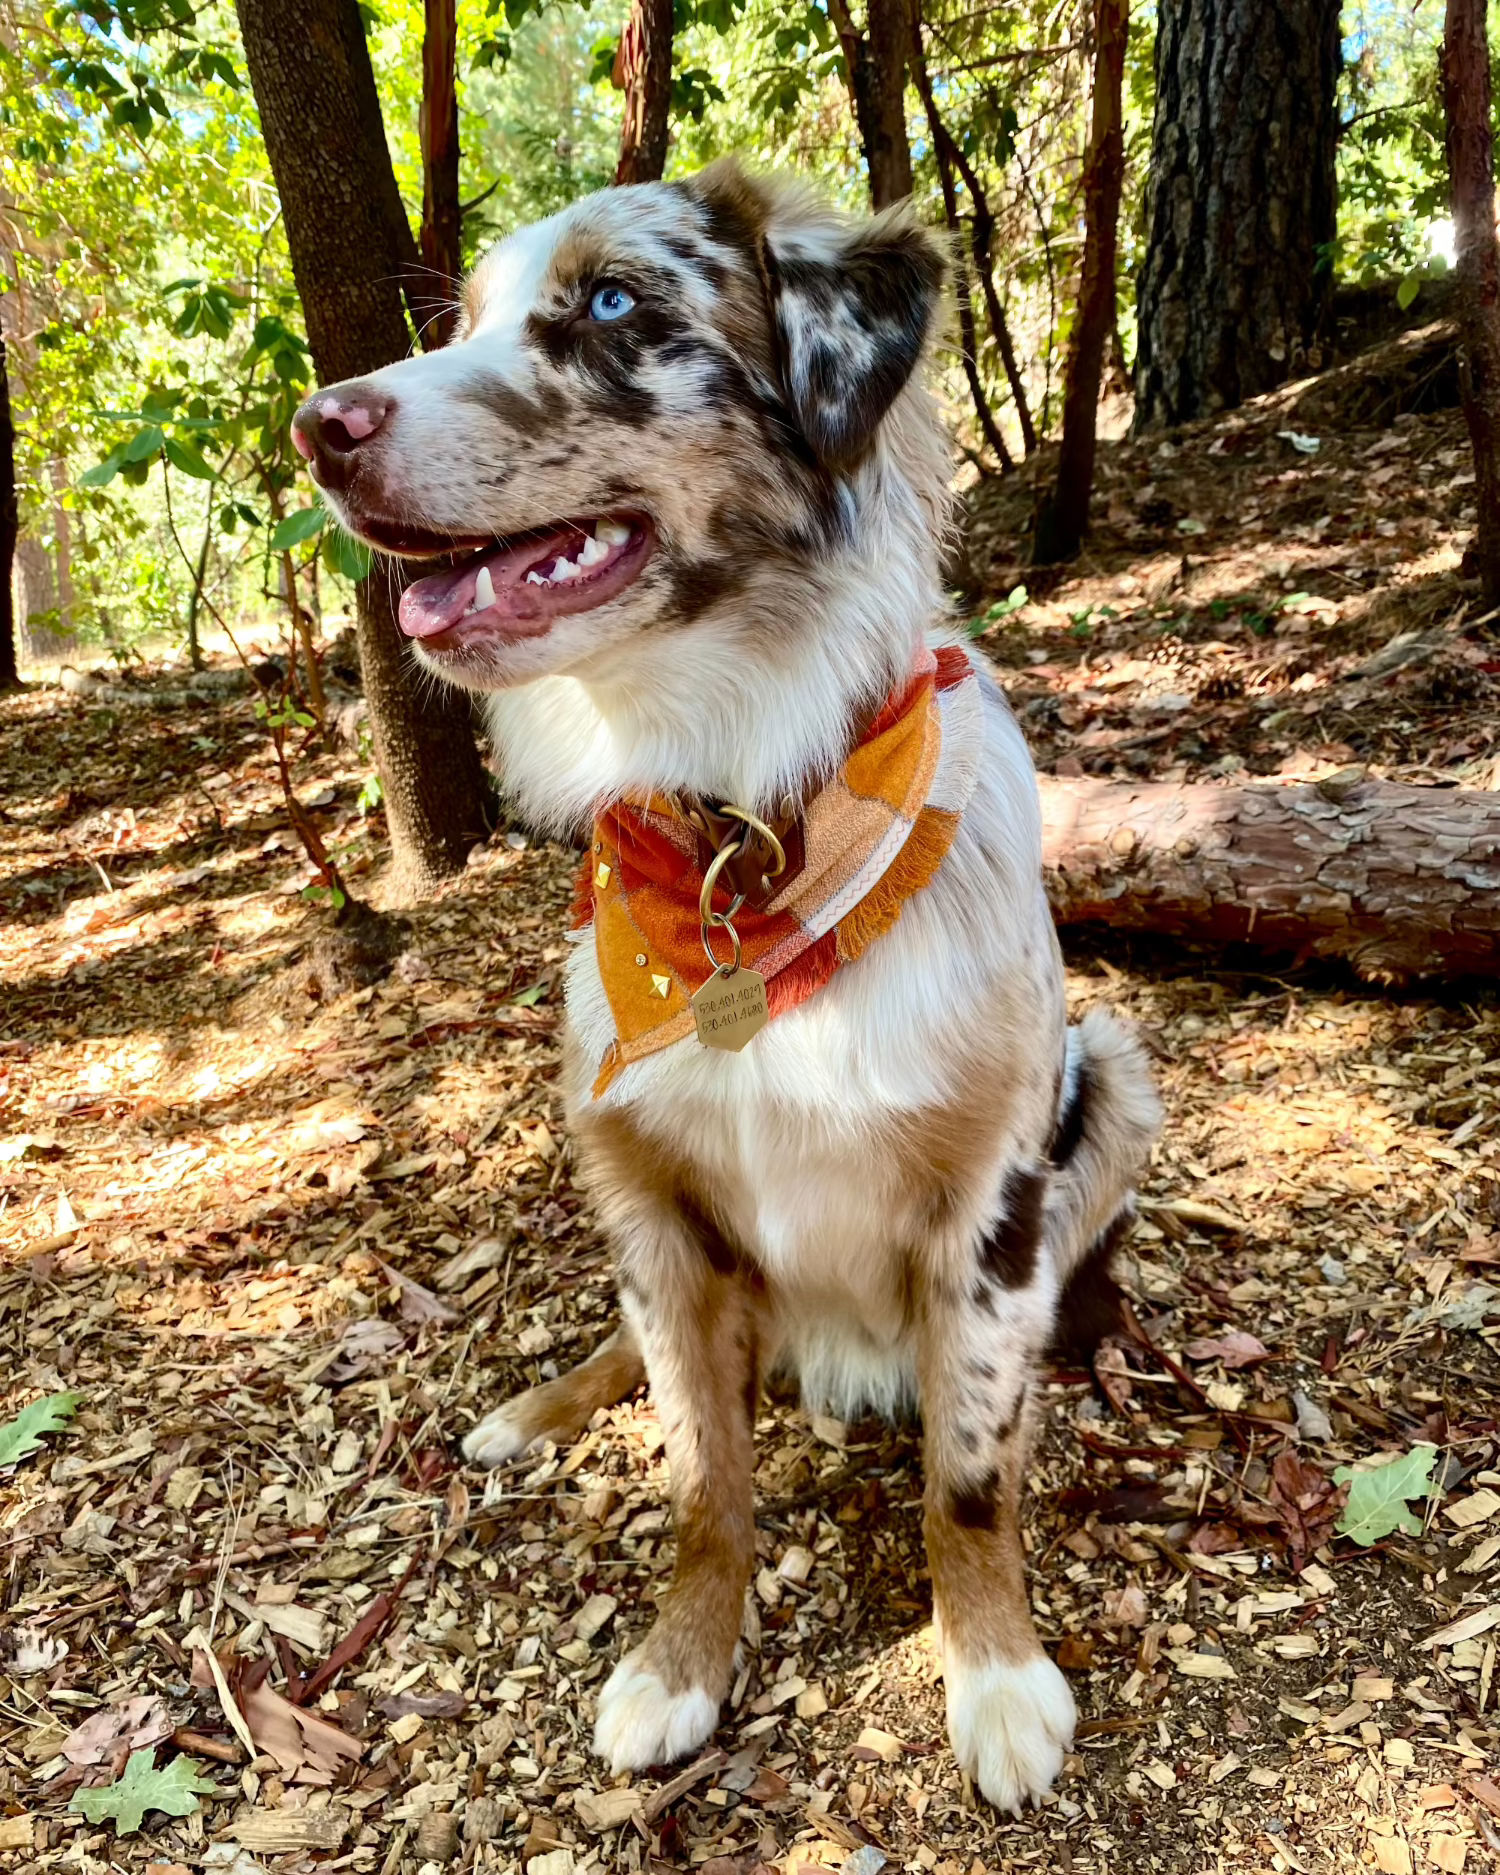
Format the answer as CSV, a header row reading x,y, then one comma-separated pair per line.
x,y
693,1309
986,1307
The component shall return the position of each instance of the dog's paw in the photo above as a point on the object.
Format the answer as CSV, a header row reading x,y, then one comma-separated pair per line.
x,y
1011,1727
505,1434
640,1722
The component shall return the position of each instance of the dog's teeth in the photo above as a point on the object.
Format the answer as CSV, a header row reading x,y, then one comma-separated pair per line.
x,y
564,569
613,533
484,590
535,579
593,552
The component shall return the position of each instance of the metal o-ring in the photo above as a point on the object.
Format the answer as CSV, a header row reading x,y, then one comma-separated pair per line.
x,y
755,821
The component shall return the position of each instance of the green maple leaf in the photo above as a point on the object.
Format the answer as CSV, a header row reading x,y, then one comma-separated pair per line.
x,y
175,1790
21,1436
1377,1505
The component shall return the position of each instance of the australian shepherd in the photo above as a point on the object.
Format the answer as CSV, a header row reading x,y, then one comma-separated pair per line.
x,y
691,490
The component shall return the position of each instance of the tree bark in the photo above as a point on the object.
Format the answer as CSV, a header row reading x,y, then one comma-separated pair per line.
x,y
887,148
351,247
10,674
1063,517
442,219
1400,882
643,69
1240,201
1471,172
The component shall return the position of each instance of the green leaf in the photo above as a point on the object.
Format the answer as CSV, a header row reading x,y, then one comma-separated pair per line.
x,y
174,1790
23,1435
183,456
1377,1505
1407,291
343,554
302,524
602,56
102,472
144,444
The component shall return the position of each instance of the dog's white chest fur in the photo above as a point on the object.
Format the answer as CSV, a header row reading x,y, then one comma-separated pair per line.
x,y
796,1136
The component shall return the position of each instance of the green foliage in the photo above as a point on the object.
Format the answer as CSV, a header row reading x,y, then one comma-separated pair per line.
x,y
1013,601
174,1790
1393,181
1378,1498
345,555
303,524
23,1435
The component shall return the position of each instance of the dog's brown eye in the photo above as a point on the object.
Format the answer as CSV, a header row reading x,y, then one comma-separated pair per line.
x,y
610,302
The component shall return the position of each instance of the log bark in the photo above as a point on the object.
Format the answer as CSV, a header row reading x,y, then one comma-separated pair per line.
x,y
1063,518
1240,201
351,249
1400,882
441,240
10,674
1471,172
643,69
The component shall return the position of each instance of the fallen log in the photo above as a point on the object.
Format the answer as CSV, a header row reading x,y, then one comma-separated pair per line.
x,y
1400,882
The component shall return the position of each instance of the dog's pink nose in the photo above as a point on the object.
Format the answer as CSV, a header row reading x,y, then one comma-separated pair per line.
x,y
332,426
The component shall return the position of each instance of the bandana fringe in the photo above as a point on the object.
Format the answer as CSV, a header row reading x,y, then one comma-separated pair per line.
x,y
914,866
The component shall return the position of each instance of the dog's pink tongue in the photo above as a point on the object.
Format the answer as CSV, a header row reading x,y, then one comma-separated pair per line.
x,y
442,600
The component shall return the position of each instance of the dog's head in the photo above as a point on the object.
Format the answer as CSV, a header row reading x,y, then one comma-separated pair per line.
x,y
662,403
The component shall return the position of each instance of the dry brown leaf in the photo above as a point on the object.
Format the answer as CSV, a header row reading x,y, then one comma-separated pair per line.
x,y
294,1738
131,1726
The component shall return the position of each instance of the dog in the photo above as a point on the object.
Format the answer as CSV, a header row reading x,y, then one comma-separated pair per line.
x,y
693,491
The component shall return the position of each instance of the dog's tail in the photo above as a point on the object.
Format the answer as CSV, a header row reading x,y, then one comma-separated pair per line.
x,y
1108,1116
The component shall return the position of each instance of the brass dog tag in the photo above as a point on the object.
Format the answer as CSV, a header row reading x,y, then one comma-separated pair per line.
x,y
730,1009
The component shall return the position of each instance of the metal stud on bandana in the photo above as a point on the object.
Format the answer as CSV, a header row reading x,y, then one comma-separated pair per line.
x,y
731,1006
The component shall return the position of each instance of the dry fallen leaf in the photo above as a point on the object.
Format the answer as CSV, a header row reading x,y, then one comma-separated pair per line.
x,y
129,1727
299,1741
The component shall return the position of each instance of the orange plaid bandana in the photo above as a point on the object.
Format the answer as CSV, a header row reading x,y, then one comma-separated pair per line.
x,y
873,836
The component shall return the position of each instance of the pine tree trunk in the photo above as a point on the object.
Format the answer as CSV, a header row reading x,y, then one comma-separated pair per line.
x,y
1471,171
9,671
1401,882
351,248
1240,201
442,221
1064,516
643,68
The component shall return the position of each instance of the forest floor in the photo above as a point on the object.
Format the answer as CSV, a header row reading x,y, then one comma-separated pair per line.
x,y
284,1252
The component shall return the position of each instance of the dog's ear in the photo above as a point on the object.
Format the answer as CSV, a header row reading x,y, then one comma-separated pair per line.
x,y
853,304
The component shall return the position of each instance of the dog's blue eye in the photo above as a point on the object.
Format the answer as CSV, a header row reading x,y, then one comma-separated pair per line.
x,y
610,302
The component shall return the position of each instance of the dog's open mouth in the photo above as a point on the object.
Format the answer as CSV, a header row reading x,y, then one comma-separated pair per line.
x,y
516,588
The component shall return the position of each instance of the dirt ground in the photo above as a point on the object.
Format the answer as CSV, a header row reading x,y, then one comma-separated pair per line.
x,y
285,1252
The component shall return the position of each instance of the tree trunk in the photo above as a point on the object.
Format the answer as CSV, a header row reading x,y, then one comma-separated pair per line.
x,y
1401,882
10,674
1471,171
351,245
1064,515
1240,201
643,69
876,66
442,220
